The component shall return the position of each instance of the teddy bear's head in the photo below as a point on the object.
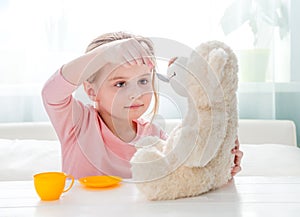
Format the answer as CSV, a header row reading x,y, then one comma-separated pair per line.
x,y
200,69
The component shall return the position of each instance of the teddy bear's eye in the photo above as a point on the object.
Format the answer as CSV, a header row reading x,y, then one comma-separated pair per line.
x,y
174,74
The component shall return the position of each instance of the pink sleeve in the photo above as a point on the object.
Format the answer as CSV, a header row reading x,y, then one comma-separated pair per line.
x,y
64,111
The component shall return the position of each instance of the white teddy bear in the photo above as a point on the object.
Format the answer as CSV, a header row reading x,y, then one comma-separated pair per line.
x,y
196,157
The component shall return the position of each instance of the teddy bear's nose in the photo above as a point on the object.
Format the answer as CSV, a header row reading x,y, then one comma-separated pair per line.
x,y
162,77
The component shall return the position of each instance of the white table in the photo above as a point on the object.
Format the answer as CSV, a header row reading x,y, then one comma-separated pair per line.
x,y
270,160
244,196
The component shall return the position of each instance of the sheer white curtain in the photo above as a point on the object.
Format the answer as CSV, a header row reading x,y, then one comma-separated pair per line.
x,y
37,37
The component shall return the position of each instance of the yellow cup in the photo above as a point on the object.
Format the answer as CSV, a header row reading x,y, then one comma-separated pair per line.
x,y
50,185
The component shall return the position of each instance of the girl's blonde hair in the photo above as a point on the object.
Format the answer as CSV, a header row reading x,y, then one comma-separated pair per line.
x,y
145,42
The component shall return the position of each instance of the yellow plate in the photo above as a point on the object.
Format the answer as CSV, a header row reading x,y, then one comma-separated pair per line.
x,y
99,181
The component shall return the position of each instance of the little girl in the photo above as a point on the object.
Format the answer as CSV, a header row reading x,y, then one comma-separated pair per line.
x,y
117,73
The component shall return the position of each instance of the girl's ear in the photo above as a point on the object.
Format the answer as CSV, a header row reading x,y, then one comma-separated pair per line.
x,y
90,90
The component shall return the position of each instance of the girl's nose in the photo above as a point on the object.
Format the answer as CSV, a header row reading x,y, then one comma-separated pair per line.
x,y
133,94
131,97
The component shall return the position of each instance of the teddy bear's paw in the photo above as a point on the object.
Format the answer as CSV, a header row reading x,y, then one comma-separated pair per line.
x,y
148,141
142,164
148,164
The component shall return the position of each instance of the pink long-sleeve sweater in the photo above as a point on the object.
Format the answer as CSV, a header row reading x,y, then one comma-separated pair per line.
x,y
88,146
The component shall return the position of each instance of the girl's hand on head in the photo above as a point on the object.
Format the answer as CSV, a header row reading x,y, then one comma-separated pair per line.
x,y
237,159
125,52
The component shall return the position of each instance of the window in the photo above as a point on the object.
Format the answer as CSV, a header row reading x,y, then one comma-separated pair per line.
x,y
37,37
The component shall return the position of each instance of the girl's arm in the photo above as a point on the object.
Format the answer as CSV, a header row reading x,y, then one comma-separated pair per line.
x,y
63,110
126,51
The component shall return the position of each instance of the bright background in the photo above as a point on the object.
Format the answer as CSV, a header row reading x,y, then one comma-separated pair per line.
x,y
37,37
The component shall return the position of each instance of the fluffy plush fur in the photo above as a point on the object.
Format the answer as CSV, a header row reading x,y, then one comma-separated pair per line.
x,y
196,158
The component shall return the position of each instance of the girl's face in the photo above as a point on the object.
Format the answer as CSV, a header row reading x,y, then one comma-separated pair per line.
x,y
126,93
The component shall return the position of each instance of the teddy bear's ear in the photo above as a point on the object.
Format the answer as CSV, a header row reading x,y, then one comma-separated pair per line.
x,y
217,59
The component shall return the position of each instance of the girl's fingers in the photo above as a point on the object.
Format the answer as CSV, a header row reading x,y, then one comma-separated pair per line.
x,y
131,52
237,143
133,57
148,58
238,154
235,170
141,55
237,163
136,57
128,53
238,158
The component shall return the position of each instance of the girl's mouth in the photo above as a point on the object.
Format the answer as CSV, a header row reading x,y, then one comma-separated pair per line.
x,y
135,106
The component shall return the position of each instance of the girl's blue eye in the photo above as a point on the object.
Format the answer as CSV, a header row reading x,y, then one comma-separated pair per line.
x,y
120,84
143,81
